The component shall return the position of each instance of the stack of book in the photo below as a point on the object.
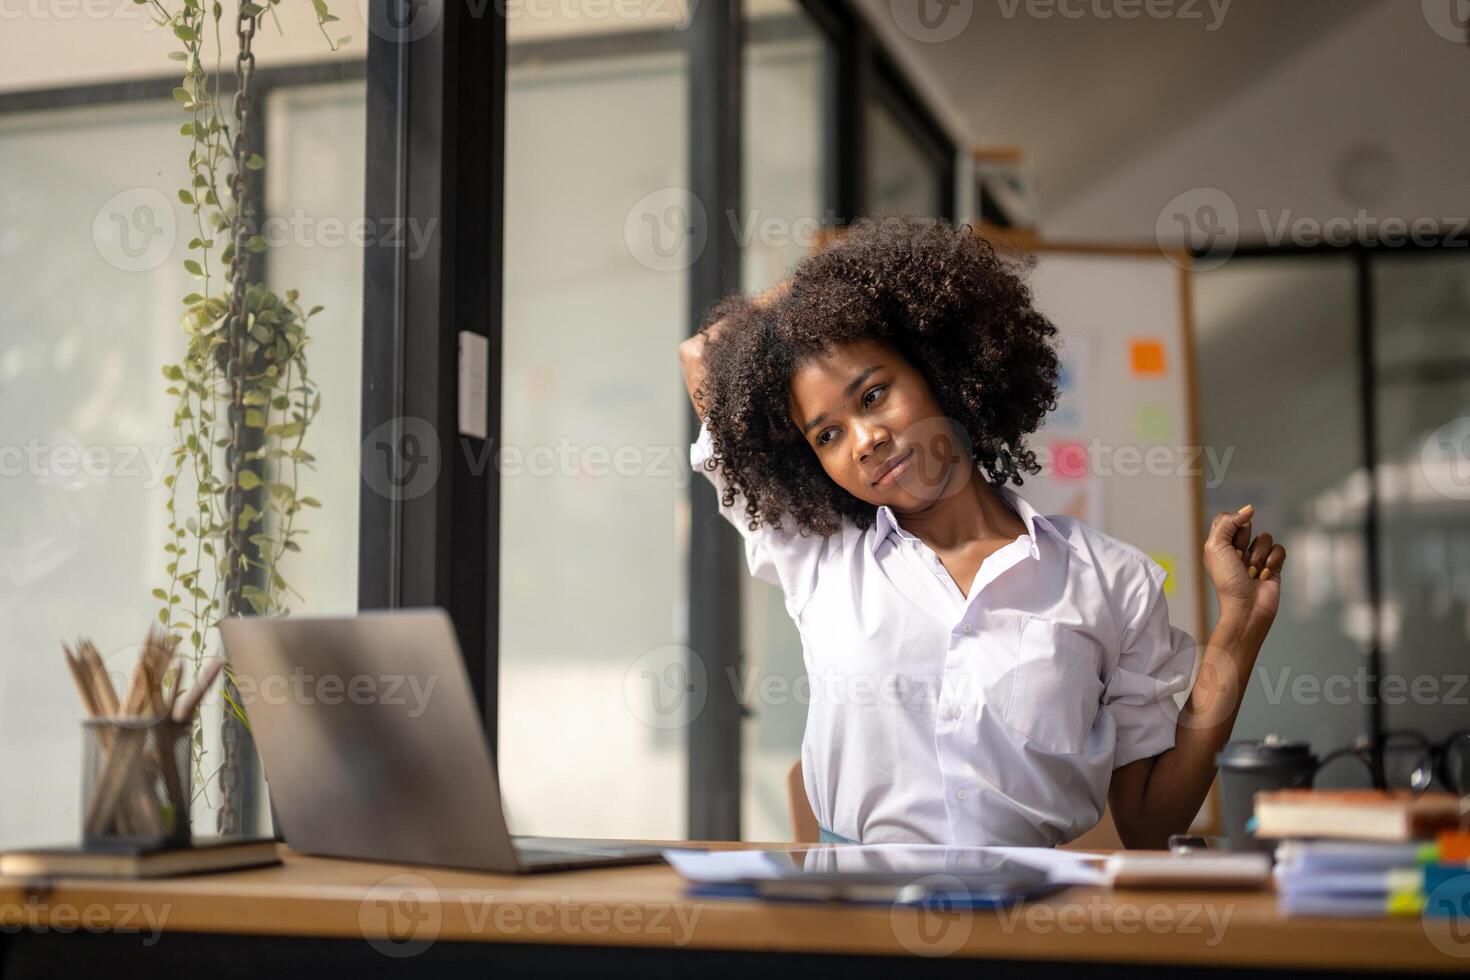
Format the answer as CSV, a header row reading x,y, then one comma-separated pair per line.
x,y
1360,878
1367,852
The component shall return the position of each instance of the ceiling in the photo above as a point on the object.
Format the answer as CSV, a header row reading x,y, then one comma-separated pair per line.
x,y
1053,84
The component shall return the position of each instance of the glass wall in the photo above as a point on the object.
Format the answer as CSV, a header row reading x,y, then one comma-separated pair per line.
x,y
92,245
1285,331
90,282
786,60
1421,345
315,141
1290,325
594,463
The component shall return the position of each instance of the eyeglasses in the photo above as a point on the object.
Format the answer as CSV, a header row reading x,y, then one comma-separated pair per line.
x,y
1406,759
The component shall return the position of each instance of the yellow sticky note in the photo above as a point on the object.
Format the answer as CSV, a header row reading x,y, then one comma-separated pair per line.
x,y
1166,562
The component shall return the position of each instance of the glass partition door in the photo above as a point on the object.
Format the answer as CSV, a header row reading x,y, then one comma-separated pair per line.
x,y
1366,354
593,461
1421,372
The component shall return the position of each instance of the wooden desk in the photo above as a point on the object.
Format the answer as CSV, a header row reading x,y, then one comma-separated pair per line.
x,y
322,918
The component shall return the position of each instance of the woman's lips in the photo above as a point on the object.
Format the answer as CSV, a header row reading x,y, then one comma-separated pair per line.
x,y
893,469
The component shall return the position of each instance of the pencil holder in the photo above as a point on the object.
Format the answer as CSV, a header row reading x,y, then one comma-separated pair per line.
x,y
135,783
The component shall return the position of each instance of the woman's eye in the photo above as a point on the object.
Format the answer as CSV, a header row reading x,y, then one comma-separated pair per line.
x,y
825,436
873,394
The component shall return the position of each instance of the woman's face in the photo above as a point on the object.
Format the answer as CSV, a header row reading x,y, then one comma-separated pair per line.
x,y
871,419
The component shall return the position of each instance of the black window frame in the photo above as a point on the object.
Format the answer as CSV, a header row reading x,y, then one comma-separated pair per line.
x,y
892,91
435,153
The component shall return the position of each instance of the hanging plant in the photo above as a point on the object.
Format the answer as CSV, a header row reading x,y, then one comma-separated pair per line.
x,y
245,399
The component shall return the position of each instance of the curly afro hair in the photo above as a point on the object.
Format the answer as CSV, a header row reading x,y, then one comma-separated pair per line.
x,y
937,294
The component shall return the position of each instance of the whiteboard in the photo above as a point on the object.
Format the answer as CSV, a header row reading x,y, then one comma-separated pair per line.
x,y
1122,449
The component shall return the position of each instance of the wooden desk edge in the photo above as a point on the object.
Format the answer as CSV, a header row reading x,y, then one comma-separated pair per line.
x,y
645,906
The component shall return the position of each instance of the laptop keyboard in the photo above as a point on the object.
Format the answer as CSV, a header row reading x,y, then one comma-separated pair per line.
x,y
551,850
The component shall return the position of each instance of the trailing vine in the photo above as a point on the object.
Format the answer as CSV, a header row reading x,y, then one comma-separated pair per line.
x,y
244,395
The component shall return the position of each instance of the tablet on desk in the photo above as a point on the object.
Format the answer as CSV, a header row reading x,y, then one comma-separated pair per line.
x,y
889,874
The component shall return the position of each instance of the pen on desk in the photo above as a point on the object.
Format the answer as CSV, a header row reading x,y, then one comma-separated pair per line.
x,y
127,745
179,709
185,705
83,682
104,692
168,734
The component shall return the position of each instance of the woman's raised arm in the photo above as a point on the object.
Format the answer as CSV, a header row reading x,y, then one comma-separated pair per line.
x,y
691,351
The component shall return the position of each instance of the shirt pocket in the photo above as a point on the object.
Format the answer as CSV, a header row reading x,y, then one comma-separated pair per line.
x,y
1056,686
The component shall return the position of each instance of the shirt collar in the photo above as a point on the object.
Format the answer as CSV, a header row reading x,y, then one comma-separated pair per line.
x,y
886,522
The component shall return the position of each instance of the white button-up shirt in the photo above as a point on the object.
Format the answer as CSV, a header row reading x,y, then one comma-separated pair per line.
x,y
990,718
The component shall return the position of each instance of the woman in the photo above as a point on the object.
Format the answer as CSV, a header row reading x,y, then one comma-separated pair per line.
x,y
980,673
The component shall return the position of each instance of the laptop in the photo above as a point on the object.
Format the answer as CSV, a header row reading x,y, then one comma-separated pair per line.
x,y
373,747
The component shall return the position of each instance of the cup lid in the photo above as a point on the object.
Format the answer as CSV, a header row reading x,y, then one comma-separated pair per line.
x,y
1269,752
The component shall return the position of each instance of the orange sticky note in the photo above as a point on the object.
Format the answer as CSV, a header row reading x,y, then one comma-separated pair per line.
x,y
1146,356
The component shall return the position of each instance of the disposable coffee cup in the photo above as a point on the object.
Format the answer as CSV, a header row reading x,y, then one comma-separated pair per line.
x,y
1248,768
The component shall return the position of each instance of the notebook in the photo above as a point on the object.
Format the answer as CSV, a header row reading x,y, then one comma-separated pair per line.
x,y
125,861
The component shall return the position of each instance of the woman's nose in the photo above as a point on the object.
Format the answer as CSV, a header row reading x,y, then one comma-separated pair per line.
x,y
867,438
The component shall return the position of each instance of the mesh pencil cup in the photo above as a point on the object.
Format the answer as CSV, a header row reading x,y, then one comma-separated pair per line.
x,y
135,782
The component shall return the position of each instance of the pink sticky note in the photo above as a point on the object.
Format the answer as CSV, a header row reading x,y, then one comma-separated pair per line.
x,y
1069,459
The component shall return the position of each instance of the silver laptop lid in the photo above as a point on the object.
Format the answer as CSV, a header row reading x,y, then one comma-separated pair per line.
x,y
370,738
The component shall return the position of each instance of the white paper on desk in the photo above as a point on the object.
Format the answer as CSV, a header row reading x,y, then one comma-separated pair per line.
x,y
714,867
1072,867
718,867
